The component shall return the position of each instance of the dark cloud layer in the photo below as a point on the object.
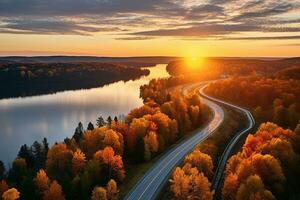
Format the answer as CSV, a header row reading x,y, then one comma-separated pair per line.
x,y
145,19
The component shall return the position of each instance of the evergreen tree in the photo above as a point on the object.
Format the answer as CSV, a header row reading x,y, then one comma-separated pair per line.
x,y
78,132
90,126
2,170
100,121
109,120
37,150
26,153
45,147
116,119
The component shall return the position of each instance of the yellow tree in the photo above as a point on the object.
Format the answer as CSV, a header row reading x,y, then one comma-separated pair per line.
x,y
201,161
11,194
113,139
42,181
99,193
151,144
112,190
115,164
78,161
179,184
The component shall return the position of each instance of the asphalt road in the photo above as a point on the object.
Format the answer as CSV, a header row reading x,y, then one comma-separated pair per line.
x,y
153,180
218,176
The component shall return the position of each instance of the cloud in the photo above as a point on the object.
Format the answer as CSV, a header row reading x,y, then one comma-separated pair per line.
x,y
207,30
50,26
264,11
293,37
78,7
137,20
135,38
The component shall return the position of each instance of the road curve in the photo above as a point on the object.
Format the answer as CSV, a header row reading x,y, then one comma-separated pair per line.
x,y
217,179
153,180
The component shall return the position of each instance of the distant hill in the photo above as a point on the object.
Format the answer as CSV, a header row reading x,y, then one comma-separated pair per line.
x,y
62,59
136,59
36,78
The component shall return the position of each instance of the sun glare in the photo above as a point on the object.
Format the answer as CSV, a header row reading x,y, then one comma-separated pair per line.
x,y
194,62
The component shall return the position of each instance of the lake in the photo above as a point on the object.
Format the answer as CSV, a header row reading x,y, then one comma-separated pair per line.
x,y
55,116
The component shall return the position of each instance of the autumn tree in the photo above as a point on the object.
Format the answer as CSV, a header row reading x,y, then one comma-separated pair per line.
x,y
201,161
254,188
42,181
268,154
113,139
112,190
54,192
99,138
114,163
140,112
151,144
166,127
78,162
230,187
189,183
99,193
59,161
11,194
137,130
194,112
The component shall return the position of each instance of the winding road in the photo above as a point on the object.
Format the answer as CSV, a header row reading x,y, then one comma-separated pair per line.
x,y
150,184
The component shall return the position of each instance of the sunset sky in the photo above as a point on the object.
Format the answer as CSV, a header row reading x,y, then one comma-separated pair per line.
x,y
150,27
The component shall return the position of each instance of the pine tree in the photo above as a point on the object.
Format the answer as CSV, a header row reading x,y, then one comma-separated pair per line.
x,y
109,120
78,132
100,121
90,126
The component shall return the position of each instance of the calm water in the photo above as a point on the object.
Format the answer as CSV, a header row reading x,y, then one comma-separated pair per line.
x,y
55,116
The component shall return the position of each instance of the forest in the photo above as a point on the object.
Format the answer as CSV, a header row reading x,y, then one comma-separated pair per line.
x,y
267,165
230,66
270,99
27,79
92,164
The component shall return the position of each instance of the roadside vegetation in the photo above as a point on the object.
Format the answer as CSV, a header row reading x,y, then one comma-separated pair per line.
x,y
267,166
270,99
202,162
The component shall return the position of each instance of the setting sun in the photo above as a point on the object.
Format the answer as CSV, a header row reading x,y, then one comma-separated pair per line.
x,y
194,62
